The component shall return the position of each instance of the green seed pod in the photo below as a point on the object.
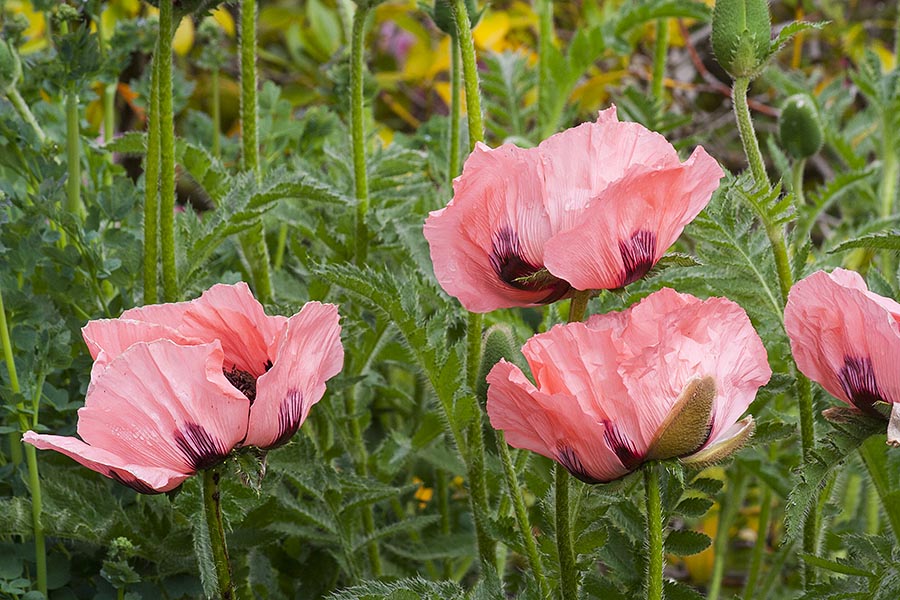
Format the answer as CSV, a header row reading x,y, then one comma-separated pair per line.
x,y
799,127
741,35
10,68
499,342
442,15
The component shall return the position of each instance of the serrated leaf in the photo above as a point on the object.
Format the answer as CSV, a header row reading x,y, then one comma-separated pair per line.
x,y
875,241
685,542
693,507
792,29
707,485
638,13
835,566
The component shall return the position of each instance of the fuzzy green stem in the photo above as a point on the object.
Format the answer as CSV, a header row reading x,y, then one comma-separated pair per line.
x,y
357,131
578,306
890,166
660,54
733,499
167,153
443,499
455,109
521,513
281,245
487,548
212,506
867,452
361,459
872,512
73,156
748,135
151,190
470,72
544,9
216,113
252,241
797,171
568,585
22,108
656,557
34,482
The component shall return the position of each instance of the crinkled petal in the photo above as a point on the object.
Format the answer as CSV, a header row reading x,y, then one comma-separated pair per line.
x,y
582,162
108,338
309,353
163,405
142,478
497,213
834,322
231,315
626,229
551,425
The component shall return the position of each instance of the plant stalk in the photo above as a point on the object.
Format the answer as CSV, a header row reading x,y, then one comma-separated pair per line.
x,y
470,72
357,131
22,108
455,110
879,478
151,190
544,8
656,557
216,113
167,153
34,482
568,575
73,156
661,52
212,506
733,499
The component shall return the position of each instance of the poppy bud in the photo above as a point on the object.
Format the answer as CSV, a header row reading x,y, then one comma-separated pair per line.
x,y
499,342
799,127
10,67
741,35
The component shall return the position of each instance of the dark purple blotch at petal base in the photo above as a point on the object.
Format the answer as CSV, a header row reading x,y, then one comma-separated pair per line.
x,y
622,446
513,269
857,379
200,449
569,459
289,416
638,253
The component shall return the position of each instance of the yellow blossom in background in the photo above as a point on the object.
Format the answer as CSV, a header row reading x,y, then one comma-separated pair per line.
x,y
184,37
115,11
37,26
224,19
423,494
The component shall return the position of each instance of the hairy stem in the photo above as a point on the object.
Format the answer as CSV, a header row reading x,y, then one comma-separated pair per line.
x,y
546,115
212,506
748,135
216,113
73,156
470,72
357,131
151,190
656,557
759,549
34,482
568,575
166,153
661,52
455,109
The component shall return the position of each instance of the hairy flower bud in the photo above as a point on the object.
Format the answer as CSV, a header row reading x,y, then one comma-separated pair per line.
x,y
741,34
10,67
799,127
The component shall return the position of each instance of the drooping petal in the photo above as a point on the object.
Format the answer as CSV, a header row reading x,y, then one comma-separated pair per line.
x,y
155,415
551,425
844,339
308,354
487,243
582,162
627,228
164,405
231,315
141,478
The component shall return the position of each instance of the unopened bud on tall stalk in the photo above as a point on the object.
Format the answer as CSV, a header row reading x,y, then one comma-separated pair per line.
x,y
799,127
741,34
442,15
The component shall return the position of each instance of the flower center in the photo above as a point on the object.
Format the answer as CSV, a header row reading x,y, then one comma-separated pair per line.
x,y
243,381
513,269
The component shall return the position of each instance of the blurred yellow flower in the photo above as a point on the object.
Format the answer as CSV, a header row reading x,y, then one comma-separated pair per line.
x,y
37,25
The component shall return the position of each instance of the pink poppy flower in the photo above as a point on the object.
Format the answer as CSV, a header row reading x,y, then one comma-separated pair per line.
x,y
176,387
669,377
593,207
847,339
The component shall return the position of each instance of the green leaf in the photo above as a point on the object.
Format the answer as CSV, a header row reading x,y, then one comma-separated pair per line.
x,y
875,241
836,566
789,31
694,507
684,542
638,13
